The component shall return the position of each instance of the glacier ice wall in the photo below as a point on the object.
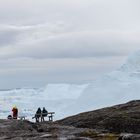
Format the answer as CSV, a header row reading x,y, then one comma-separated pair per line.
x,y
116,87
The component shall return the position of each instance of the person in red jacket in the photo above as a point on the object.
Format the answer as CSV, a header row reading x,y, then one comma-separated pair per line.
x,y
15,112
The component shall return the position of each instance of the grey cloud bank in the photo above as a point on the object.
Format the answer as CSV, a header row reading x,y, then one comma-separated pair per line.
x,y
67,45
64,41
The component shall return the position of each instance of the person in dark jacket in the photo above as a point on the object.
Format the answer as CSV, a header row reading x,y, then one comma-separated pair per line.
x,y
44,114
15,112
38,114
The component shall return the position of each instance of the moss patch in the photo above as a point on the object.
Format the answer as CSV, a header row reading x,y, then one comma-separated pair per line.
x,y
99,136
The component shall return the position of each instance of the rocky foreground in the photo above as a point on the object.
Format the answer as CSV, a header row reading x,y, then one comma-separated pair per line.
x,y
121,122
25,130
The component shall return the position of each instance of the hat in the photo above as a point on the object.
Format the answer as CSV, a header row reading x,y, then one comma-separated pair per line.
x,y
14,106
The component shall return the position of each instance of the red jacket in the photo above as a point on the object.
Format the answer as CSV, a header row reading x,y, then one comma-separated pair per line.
x,y
15,113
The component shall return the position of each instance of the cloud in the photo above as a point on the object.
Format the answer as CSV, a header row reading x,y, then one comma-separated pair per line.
x,y
65,40
40,42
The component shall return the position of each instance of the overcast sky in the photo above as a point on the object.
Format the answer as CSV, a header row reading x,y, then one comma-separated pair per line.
x,y
65,41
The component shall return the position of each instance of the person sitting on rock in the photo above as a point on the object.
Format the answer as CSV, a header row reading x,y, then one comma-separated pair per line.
x,y
38,114
15,112
44,114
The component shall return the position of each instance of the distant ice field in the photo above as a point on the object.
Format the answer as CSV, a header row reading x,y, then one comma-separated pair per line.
x,y
54,97
113,88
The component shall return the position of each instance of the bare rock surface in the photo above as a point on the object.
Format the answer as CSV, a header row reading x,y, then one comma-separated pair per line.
x,y
25,130
129,137
123,118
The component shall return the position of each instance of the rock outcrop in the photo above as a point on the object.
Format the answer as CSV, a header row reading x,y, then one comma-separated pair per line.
x,y
25,130
129,137
120,118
